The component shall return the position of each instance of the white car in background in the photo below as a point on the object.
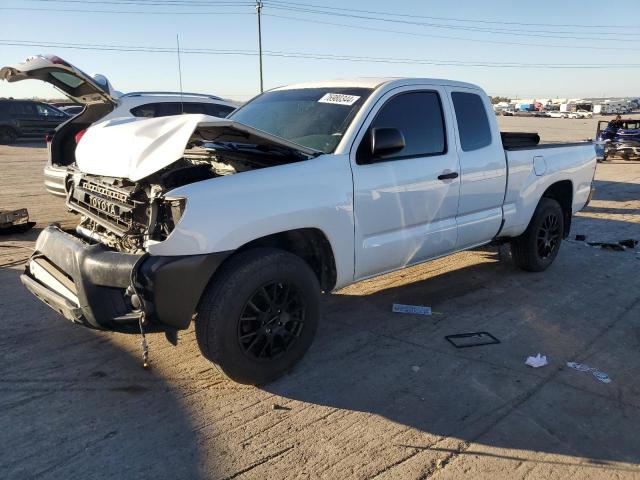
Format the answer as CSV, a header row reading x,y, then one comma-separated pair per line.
x,y
584,114
558,114
102,102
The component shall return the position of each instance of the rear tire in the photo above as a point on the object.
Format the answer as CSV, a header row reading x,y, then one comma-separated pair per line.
x,y
7,135
538,246
259,315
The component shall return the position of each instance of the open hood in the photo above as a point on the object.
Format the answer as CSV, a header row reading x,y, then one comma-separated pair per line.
x,y
72,81
134,148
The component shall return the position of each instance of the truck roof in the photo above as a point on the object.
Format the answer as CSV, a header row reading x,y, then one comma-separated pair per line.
x,y
374,82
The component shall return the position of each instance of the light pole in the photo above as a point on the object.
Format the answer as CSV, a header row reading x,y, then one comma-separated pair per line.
x,y
258,10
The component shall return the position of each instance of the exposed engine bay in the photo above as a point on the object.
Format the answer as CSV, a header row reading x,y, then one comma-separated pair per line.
x,y
127,215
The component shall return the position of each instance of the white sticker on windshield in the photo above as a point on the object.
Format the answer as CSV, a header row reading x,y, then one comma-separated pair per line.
x,y
338,99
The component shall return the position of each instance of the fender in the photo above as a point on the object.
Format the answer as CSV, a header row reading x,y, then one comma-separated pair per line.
x,y
225,213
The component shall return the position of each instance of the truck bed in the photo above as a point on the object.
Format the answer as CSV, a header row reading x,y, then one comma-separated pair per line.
x,y
533,168
531,140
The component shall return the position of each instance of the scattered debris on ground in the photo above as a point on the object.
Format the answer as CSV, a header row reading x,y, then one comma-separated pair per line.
x,y
615,246
581,367
15,221
415,368
471,339
414,309
629,243
537,361
607,246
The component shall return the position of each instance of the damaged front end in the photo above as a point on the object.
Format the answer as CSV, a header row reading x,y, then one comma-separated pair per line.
x,y
125,215
95,286
102,275
127,169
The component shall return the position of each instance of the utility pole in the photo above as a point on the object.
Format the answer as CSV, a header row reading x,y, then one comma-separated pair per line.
x,y
258,10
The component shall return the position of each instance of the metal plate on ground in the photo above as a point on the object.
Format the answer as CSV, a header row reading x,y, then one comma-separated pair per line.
x,y
472,339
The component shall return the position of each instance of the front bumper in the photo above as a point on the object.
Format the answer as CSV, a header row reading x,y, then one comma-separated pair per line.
x,y
102,289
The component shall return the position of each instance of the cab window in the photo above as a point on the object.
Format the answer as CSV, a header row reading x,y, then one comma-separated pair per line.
x,y
418,115
473,124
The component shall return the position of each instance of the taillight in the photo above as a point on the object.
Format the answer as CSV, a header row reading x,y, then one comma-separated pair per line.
x,y
79,135
48,137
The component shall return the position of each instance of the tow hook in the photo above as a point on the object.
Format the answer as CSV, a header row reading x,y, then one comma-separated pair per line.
x,y
143,342
142,321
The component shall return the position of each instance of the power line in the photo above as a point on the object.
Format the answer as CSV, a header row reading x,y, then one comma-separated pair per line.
x,y
449,27
167,3
61,10
174,2
314,56
452,19
448,37
331,10
322,22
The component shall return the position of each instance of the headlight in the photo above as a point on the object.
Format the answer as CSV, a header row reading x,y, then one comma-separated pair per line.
x,y
175,207
170,213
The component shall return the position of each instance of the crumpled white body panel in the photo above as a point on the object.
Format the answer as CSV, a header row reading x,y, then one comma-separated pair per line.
x,y
134,148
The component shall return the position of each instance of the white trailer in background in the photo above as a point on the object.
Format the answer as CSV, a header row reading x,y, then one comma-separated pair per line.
x,y
615,107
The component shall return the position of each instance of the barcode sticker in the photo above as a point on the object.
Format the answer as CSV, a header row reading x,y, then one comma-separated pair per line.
x,y
338,99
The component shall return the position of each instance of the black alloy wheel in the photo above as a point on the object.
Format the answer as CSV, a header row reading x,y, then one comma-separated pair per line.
x,y
537,247
549,236
259,314
271,321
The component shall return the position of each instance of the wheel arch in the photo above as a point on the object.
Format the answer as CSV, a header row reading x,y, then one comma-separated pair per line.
x,y
562,192
310,244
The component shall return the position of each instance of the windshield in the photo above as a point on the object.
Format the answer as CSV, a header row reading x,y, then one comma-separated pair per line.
x,y
313,117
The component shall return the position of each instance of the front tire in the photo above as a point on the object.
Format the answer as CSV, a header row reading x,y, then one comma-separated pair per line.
x,y
538,246
259,315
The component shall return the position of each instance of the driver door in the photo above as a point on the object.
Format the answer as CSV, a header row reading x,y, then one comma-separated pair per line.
x,y
406,204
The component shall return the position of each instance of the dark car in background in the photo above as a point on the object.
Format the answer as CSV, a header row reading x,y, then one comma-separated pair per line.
x,y
27,119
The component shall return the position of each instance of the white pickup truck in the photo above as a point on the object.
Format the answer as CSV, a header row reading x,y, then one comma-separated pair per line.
x,y
239,224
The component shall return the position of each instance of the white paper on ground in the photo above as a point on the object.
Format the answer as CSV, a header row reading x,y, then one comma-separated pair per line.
x,y
537,361
581,367
415,309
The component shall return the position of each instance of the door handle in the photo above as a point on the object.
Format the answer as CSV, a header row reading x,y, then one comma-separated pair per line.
x,y
448,176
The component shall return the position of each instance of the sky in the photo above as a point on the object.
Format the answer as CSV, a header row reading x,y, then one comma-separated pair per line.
x,y
514,49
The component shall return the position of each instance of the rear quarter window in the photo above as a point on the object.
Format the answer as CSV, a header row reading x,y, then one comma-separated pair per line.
x,y
473,124
220,111
166,109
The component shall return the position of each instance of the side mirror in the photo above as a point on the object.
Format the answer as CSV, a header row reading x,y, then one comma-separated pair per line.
x,y
386,141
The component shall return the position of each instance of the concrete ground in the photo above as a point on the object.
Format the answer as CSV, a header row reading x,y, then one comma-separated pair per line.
x,y
379,395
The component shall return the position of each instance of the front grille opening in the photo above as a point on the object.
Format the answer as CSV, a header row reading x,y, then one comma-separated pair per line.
x,y
107,205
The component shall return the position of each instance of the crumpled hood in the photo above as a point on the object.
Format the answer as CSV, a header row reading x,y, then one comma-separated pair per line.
x,y
134,148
